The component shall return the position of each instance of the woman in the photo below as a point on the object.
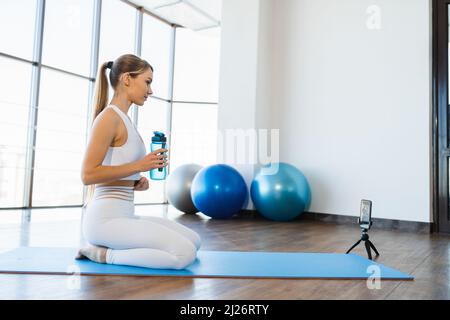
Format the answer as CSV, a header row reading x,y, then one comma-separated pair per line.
x,y
114,158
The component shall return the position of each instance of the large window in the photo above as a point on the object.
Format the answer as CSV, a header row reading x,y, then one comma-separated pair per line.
x,y
60,139
157,50
196,67
44,100
194,134
194,124
117,36
17,25
67,35
14,100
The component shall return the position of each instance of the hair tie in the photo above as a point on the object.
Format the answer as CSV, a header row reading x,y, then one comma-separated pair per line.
x,y
109,65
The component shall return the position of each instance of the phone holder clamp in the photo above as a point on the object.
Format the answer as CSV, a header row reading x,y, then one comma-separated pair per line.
x,y
368,244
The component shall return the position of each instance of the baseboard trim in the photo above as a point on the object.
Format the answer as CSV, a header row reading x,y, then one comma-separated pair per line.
x,y
385,224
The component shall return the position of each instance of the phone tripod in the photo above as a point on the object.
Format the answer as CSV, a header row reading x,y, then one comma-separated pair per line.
x,y
367,243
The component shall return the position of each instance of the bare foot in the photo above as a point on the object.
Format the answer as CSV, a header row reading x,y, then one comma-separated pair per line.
x,y
94,253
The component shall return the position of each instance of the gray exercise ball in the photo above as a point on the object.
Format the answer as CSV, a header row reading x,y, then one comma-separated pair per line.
x,y
179,187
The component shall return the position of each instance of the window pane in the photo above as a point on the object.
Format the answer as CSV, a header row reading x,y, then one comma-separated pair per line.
x,y
117,30
14,101
152,117
196,67
17,19
60,140
156,44
194,135
67,35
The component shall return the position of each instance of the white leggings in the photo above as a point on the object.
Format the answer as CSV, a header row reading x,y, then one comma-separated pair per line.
x,y
151,242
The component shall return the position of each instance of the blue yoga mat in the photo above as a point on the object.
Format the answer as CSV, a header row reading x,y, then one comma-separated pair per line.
x,y
232,264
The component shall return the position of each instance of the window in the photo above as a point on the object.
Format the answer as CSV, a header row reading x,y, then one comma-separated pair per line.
x,y
194,125
67,35
14,110
196,67
117,34
156,49
17,26
62,110
60,139
194,134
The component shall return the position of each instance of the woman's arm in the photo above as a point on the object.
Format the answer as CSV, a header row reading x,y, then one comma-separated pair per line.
x,y
102,135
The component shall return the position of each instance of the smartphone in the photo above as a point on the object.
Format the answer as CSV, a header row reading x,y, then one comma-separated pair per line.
x,y
365,217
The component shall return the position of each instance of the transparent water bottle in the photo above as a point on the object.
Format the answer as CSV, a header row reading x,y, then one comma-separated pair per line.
x,y
158,142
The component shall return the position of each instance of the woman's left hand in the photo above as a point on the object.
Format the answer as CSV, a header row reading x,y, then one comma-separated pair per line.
x,y
142,184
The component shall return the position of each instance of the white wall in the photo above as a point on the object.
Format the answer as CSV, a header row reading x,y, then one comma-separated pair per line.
x,y
245,73
238,72
352,104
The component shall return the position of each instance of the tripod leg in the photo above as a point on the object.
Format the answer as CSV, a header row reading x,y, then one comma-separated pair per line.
x,y
373,247
368,250
353,246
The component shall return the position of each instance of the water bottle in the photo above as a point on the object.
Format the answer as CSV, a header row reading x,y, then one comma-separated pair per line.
x,y
158,142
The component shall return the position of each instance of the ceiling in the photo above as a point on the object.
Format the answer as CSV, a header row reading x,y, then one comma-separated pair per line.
x,y
193,14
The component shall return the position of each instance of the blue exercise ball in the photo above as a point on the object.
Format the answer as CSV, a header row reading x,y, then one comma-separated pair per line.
x,y
282,195
219,191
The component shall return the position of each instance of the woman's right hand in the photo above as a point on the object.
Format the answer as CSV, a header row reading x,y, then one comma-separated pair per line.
x,y
153,160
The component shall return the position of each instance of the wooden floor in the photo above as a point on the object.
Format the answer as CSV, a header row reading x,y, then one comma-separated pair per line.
x,y
425,256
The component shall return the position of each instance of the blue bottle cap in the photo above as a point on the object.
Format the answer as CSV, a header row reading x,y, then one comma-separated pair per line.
x,y
158,137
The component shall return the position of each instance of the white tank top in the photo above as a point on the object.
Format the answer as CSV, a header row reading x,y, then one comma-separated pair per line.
x,y
132,150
